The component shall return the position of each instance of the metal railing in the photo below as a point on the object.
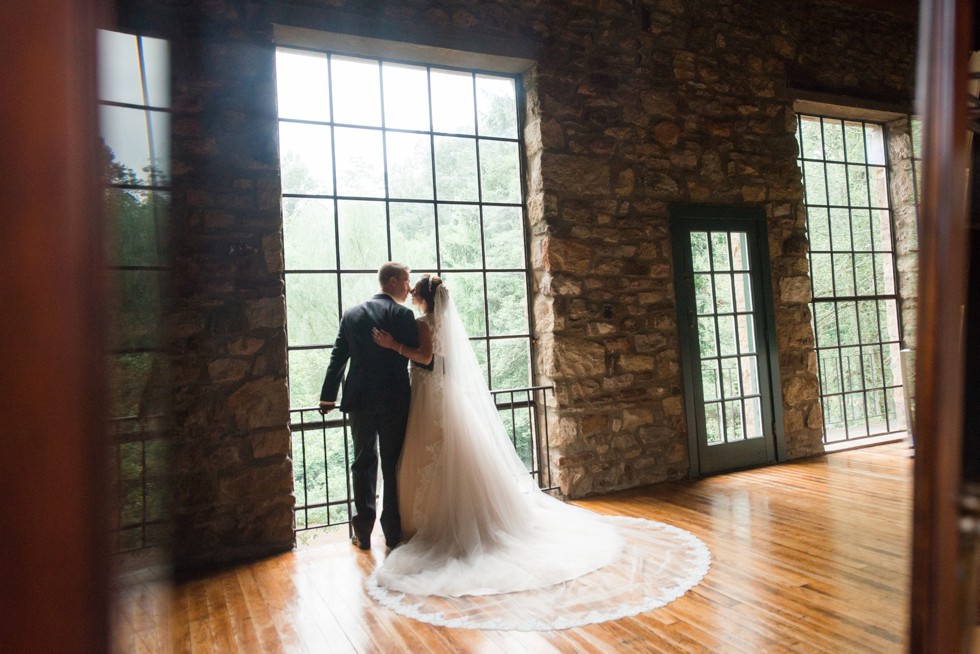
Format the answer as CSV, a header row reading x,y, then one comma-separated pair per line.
x,y
322,453
141,460
862,394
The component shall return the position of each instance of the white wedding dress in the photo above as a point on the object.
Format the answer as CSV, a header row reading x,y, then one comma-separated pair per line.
x,y
486,548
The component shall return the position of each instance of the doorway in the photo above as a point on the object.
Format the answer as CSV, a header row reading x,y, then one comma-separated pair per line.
x,y
727,332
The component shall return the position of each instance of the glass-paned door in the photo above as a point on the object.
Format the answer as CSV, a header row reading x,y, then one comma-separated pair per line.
x,y
724,313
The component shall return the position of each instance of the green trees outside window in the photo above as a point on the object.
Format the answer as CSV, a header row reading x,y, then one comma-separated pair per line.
x,y
385,160
852,267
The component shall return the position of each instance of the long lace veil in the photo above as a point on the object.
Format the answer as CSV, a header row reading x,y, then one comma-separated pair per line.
x,y
466,395
495,552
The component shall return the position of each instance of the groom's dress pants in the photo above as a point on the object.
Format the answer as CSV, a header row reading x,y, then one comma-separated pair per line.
x,y
372,432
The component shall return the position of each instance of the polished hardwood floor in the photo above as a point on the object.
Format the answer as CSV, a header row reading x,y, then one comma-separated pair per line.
x,y
811,556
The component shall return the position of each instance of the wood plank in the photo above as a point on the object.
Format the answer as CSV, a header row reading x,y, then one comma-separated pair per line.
x,y
807,557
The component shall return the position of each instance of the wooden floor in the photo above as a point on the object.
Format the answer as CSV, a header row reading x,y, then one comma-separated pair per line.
x,y
806,557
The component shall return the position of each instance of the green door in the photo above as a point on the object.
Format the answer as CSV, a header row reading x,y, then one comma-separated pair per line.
x,y
728,349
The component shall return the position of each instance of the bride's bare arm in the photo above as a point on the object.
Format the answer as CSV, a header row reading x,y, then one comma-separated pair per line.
x,y
421,354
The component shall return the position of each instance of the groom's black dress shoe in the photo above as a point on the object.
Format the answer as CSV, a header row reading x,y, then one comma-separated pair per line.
x,y
360,543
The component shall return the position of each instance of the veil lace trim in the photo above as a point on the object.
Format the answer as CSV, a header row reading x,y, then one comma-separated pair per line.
x,y
658,565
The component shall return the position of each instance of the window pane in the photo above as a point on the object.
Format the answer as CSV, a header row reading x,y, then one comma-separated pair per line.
x,y
814,182
355,288
875,406
459,236
826,324
854,140
140,296
456,171
881,228
507,303
500,173
856,415
723,294
720,251
833,417
743,291
305,156
884,274
306,297
811,141
833,140
712,424
891,365
749,369
360,162
864,272
496,106
452,102
818,228
731,385
468,293
124,132
840,229
706,337
875,139
754,427
119,68
308,234
356,91
740,251
830,373
710,380
873,377
847,323
746,334
861,229
511,359
704,296
409,166
413,234
303,85
857,183
843,274
726,336
406,93
363,234
734,429
836,184
851,374
503,231
699,252
159,122
139,227
480,351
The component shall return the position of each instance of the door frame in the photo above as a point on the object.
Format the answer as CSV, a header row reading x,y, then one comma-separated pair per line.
x,y
770,386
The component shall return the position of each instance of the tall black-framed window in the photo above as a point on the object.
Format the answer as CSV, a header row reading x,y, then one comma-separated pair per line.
x,y
413,162
134,107
855,314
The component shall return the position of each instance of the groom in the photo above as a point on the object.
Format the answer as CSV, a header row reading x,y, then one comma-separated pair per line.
x,y
375,398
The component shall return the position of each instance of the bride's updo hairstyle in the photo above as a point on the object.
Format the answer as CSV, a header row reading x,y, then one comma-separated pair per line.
x,y
426,287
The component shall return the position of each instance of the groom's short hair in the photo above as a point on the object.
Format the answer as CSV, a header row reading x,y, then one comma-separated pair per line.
x,y
391,269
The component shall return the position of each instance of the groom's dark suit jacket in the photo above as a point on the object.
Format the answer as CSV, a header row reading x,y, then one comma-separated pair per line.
x,y
378,377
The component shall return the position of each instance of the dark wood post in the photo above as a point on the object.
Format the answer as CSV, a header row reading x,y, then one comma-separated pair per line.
x,y
53,556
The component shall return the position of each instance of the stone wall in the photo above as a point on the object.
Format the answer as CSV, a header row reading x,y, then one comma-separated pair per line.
x,y
232,473
900,158
632,105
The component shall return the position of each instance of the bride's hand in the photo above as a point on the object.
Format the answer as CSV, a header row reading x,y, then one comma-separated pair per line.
x,y
383,338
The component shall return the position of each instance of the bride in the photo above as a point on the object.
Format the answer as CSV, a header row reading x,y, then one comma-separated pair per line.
x,y
476,521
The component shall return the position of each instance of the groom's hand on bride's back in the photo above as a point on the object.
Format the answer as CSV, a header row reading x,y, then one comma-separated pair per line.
x,y
326,407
